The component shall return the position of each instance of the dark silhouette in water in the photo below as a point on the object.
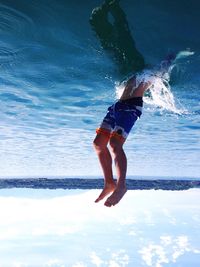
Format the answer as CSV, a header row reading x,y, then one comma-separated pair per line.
x,y
116,37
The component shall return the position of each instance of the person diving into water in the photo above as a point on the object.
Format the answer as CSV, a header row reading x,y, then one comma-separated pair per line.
x,y
115,127
122,115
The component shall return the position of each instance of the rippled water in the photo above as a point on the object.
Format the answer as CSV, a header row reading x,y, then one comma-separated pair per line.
x,y
56,82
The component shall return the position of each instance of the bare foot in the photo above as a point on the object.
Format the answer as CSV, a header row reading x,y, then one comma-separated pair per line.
x,y
116,196
108,188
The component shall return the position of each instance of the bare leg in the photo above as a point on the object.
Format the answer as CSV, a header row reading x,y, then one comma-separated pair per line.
x,y
105,159
121,168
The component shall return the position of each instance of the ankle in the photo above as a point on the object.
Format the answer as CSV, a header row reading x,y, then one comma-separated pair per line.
x,y
110,182
121,184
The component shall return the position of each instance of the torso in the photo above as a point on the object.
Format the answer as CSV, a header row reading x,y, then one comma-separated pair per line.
x,y
131,90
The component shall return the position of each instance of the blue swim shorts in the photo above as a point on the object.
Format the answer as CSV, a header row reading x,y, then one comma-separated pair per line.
x,y
121,117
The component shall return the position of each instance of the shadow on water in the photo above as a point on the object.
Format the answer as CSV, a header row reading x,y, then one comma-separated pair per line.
x,y
111,26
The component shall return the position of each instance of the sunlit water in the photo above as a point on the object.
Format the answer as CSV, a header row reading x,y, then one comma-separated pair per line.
x,y
56,83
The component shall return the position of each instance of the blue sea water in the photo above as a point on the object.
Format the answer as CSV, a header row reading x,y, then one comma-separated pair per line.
x,y
56,82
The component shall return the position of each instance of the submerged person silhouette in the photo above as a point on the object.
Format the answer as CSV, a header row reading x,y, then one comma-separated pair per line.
x,y
110,24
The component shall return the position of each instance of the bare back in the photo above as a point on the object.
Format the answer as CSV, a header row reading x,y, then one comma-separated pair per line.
x,y
132,90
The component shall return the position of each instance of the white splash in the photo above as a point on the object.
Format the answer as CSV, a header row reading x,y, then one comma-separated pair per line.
x,y
119,88
159,94
185,53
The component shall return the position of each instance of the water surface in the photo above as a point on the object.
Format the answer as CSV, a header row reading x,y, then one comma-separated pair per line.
x,y
56,82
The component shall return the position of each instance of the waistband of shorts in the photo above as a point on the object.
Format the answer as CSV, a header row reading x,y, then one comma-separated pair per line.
x,y
136,101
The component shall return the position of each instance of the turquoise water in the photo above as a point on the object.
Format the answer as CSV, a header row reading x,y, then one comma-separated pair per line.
x,y
56,81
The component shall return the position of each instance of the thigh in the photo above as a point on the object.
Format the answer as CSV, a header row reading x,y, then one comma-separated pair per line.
x,y
109,122
126,119
101,139
116,141
124,122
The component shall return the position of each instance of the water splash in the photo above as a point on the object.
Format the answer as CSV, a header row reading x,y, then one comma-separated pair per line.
x,y
184,53
161,96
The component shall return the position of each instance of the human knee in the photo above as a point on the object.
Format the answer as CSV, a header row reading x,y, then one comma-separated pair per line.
x,y
115,145
98,145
